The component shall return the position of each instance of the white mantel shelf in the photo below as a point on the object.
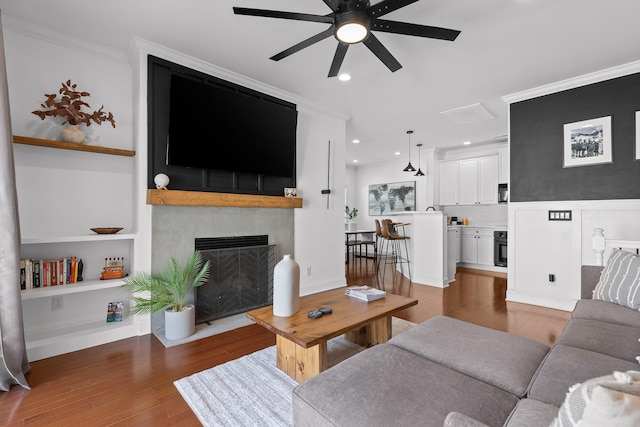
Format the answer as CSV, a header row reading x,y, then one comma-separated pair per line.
x,y
203,198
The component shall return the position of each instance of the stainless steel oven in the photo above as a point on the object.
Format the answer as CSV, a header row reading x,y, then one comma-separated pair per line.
x,y
500,248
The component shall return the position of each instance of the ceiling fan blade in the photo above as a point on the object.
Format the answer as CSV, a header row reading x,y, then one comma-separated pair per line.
x,y
283,15
387,6
341,51
306,43
414,29
333,4
382,53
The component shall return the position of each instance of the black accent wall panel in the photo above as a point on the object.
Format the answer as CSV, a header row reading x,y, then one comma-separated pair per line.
x,y
537,138
193,179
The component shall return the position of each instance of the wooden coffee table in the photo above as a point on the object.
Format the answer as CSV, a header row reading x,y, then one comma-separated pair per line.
x,y
301,342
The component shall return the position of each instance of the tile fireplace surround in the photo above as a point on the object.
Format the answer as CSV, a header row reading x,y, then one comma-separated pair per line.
x,y
174,229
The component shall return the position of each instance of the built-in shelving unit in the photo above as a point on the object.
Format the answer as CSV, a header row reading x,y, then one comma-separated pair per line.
x,y
63,318
71,146
203,198
73,316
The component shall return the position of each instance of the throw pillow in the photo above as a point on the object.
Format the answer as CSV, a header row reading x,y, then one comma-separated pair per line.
x,y
620,280
611,408
579,399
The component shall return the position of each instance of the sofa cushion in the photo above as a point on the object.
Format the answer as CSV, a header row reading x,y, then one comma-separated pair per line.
x,y
620,280
386,385
606,312
566,366
606,338
608,400
504,360
532,413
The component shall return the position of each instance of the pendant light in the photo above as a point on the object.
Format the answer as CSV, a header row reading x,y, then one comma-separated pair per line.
x,y
409,167
419,173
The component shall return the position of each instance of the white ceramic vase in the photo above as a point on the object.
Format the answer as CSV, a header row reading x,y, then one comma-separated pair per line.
x,y
286,287
353,226
72,134
180,324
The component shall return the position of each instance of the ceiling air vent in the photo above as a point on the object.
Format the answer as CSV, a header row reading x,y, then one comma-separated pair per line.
x,y
473,113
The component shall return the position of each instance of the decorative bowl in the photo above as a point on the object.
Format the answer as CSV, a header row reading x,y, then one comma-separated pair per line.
x,y
106,230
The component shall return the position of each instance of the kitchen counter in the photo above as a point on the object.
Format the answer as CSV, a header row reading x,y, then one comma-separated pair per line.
x,y
427,246
499,227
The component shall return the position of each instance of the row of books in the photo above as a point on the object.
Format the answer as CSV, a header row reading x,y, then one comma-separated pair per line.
x,y
365,293
40,273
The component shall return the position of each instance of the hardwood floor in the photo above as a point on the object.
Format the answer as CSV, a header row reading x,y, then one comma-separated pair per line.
x,y
130,382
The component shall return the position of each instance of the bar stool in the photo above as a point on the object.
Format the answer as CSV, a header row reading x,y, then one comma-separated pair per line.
x,y
392,237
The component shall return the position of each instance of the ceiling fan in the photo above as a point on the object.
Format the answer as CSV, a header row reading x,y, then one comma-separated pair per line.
x,y
352,21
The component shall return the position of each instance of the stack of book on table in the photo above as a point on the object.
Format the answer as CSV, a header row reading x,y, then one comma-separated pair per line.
x,y
365,293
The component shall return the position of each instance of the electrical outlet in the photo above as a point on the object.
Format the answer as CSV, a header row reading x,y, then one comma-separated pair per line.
x,y
552,280
57,303
308,271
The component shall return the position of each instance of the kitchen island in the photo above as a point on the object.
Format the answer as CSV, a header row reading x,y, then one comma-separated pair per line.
x,y
427,247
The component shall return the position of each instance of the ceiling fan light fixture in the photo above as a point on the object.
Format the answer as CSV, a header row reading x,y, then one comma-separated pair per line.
x,y
351,33
352,27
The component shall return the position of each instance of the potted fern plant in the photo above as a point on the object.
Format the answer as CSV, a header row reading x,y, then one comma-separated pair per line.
x,y
169,290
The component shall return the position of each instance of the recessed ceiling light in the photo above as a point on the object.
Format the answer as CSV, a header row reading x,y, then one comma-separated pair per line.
x,y
397,153
356,141
355,161
466,143
344,77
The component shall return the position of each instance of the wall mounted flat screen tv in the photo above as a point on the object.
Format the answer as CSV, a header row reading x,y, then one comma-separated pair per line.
x,y
214,126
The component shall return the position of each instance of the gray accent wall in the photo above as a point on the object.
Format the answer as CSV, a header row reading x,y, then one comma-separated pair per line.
x,y
176,227
536,144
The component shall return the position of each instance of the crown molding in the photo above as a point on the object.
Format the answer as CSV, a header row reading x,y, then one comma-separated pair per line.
x,y
29,29
574,82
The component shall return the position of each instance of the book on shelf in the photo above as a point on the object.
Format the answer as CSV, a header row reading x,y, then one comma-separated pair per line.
x,y
115,310
39,273
365,293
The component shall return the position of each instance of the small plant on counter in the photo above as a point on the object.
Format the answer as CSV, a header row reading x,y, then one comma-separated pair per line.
x,y
70,107
351,213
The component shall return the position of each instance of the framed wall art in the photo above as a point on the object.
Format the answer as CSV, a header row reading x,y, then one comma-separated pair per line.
x,y
393,197
587,142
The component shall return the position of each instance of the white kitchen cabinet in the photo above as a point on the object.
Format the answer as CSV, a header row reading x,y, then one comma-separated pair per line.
x,y
477,246
449,183
469,181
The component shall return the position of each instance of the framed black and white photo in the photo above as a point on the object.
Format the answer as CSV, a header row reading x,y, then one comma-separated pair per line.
x,y
637,135
393,197
587,142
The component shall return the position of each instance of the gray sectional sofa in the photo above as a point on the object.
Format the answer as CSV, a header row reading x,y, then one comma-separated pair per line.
x,y
448,372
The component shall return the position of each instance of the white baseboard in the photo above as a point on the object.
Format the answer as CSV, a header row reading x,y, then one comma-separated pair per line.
x,y
543,302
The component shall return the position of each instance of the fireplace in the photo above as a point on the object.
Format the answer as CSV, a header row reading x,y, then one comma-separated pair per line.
x,y
240,277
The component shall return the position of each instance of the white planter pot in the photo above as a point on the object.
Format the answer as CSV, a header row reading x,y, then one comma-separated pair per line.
x,y
353,226
286,287
180,324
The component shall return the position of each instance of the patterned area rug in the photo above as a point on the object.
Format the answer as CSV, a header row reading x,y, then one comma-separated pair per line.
x,y
251,391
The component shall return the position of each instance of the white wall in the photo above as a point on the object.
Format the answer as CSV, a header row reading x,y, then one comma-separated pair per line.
x,y
59,191
539,247
319,231
385,173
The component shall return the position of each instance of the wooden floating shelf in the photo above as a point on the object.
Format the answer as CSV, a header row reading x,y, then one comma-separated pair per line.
x,y
71,146
203,198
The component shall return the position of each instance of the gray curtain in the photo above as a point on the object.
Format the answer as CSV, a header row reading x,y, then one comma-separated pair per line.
x,y
13,352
